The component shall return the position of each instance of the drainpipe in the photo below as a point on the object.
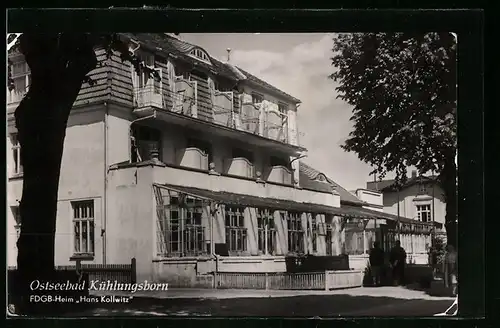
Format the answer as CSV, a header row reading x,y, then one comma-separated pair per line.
x,y
105,199
295,179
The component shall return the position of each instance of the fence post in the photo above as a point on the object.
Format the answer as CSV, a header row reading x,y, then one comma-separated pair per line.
x,y
133,269
215,280
327,287
266,280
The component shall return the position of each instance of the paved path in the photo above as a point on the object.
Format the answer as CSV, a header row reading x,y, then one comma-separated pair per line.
x,y
381,301
193,293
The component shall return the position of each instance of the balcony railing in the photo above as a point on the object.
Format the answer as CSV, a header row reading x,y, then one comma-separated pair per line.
x,y
193,157
223,108
240,166
261,119
148,96
184,97
280,174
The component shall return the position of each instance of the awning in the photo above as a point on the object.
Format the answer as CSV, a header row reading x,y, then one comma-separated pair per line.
x,y
265,202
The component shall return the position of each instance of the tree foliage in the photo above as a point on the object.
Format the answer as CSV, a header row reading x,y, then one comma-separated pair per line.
x,y
403,91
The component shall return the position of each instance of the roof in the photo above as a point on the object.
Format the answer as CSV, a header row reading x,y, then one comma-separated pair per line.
x,y
168,44
308,176
268,202
262,83
389,184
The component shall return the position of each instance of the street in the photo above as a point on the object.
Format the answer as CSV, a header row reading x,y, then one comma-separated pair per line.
x,y
382,301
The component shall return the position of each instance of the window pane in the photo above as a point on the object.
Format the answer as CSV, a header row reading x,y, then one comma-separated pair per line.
x,y
197,217
233,239
76,226
84,237
91,241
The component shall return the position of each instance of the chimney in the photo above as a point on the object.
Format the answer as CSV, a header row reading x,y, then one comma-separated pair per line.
x,y
414,174
228,54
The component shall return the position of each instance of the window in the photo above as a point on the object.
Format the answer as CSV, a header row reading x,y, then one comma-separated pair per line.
x,y
257,98
220,87
266,230
182,73
145,141
238,152
200,54
17,218
424,213
22,78
185,234
279,161
422,189
144,76
236,233
283,108
16,154
295,233
83,225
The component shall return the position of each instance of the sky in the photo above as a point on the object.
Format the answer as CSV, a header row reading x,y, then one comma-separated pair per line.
x,y
299,64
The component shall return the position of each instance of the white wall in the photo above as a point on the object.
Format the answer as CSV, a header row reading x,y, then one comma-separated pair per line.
x,y
407,204
82,178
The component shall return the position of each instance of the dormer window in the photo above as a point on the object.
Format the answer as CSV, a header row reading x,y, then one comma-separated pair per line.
x,y
321,178
200,54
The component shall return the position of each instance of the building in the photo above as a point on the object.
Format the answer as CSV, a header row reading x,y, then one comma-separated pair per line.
x,y
379,224
193,171
421,198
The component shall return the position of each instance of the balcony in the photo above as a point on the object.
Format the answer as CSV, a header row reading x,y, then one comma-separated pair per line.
x,y
265,120
223,108
280,174
240,166
184,97
193,158
175,175
268,126
148,96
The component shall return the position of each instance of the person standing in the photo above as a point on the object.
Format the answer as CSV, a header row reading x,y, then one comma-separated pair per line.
x,y
377,257
397,259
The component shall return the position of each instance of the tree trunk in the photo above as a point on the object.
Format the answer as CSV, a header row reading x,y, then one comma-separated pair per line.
x,y
41,120
449,183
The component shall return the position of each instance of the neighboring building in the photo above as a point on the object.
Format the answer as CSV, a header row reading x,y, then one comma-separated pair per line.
x,y
195,172
421,198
